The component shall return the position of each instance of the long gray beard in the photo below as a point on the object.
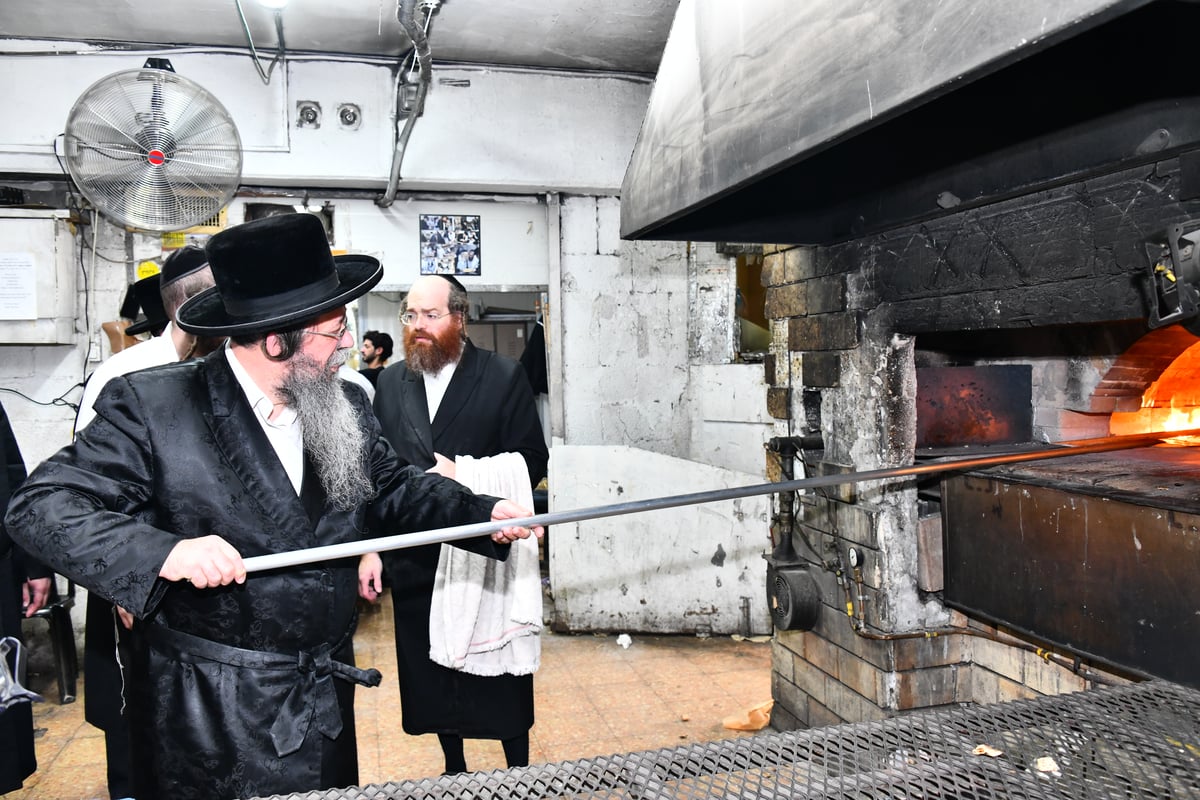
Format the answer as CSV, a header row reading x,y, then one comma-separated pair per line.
x,y
333,439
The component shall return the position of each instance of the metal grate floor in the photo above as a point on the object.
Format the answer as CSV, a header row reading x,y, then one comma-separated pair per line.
x,y
1136,741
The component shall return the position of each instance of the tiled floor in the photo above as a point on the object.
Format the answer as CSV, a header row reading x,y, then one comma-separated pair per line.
x,y
593,697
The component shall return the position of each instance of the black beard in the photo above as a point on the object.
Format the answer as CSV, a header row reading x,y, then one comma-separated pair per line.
x,y
333,439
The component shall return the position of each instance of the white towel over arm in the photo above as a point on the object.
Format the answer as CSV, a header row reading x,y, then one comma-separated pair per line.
x,y
486,615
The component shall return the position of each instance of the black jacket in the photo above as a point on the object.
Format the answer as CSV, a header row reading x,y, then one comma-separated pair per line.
x,y
17,759
488,409
230,691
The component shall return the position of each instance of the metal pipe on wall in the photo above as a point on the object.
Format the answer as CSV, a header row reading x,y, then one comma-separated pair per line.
x,y
406,14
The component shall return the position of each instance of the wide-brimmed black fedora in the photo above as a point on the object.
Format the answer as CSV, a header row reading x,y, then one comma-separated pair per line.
x,y
272,273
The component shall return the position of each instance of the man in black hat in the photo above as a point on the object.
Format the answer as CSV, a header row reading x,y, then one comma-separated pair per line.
x,y
242,685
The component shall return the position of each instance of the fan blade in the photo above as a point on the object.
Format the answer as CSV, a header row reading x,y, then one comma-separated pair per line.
x,y
101,127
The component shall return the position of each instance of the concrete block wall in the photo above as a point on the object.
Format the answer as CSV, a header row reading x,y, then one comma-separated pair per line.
x,y
691,569
46,381
653,406
869,654
624,316
647,332
831,675
711,298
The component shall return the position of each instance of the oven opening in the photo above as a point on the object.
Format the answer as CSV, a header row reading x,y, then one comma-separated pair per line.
x,y
1086,553
1171,398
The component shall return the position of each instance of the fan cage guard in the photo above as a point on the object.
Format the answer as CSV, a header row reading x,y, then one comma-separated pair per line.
x,y
153,150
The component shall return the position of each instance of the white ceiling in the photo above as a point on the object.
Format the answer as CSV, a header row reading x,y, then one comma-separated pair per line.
x,y
612,35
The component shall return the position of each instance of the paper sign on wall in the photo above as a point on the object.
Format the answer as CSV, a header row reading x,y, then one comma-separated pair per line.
x,y
18,286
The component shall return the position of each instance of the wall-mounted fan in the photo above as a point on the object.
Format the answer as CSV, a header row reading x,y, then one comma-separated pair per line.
x,y
153,150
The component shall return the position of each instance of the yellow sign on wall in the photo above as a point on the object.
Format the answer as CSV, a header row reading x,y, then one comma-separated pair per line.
x,y
148,268
197,234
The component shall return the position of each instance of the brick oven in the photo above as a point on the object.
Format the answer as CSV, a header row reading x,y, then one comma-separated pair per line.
x,y
1081,557
965,206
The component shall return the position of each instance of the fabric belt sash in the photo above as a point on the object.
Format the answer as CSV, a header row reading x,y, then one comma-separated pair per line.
x,y
311,701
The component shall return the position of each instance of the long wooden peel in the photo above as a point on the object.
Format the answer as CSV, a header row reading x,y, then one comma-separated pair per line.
x,y
400,541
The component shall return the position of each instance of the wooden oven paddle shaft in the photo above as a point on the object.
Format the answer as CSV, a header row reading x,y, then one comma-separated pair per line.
x,y
400,541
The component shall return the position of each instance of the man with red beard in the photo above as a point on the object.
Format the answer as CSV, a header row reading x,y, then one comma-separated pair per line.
x,y
448,400
241,685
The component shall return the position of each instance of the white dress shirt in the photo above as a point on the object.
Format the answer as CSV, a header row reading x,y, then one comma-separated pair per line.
x,y
435,387
283,432
150,353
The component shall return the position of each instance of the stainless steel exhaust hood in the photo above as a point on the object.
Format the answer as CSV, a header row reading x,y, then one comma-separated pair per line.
x,y
818,121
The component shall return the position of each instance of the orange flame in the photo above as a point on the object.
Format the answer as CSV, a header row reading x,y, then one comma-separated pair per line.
x,y
1171,403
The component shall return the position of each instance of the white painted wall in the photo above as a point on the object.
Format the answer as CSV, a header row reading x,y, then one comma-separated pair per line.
x,y
642,420
40,380
627,379
628,335
730,423
513,235
482,130
694,569
624,315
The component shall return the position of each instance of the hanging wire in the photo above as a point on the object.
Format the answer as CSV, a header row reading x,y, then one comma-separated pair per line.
x,y
61,400
279,52
428,6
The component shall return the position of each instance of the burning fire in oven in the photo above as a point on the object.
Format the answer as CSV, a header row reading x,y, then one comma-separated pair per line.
x,y
1169,403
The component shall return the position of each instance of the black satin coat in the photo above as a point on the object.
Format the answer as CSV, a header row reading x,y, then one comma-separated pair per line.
x,y
175,453
488,409
17,758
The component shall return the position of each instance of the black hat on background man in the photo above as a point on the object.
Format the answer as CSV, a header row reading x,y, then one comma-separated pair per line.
x,y
183,262
272,273
149,298
148,291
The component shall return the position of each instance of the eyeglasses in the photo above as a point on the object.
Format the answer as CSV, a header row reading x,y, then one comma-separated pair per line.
x,y
430,317
337,337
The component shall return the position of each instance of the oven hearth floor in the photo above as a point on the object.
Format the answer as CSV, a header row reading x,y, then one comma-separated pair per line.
x,y
1161,477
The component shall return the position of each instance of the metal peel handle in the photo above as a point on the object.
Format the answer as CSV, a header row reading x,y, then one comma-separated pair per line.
x,y
401,541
